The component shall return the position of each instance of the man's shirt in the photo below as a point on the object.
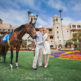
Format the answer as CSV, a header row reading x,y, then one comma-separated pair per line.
x,y
39,38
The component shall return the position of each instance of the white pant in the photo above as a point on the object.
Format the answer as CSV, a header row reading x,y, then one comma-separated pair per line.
x,y
38,56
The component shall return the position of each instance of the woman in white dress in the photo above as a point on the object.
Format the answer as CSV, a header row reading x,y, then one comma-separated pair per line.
x,y
46,50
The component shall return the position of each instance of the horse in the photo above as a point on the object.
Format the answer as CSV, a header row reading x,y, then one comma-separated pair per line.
x,y
15,41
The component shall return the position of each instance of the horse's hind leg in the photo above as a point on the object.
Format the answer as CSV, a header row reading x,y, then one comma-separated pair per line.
x,y
0,57
11,66
4,59
17,51
17,59
5,52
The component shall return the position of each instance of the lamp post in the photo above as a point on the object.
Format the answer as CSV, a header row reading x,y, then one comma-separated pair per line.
x,y
60,11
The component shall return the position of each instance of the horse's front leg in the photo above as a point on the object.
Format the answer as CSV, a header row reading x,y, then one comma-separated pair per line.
x,y
11,66
5,58
17,51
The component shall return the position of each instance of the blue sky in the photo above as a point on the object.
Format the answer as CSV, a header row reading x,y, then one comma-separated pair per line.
x,y
15,11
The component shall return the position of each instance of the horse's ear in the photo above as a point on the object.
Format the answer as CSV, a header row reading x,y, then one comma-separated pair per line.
x,y
30,22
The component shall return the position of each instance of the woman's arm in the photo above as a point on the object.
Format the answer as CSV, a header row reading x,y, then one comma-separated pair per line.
x,y
45,38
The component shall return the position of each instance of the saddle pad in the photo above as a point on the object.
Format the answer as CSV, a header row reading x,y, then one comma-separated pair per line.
x,y
6,37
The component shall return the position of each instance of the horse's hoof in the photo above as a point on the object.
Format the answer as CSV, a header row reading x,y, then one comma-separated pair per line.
x,y
11,69
17,67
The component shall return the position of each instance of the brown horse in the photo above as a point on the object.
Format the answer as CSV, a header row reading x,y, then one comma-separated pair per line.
x,y
16,41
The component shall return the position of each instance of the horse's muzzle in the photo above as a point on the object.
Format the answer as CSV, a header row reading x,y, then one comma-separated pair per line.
x,y
34,37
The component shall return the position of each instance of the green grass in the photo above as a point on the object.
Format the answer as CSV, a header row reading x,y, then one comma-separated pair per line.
x,y
58,70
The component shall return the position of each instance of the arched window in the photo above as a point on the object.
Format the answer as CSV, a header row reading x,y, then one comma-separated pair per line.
x,y
51,46
51,37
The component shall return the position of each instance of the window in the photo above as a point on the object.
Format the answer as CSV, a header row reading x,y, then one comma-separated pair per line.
x,y
50,30
51,46
78,26
8,30
57,27
73,26
51,37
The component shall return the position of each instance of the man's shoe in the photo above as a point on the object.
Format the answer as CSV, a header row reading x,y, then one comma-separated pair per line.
x,y
34,68
40,66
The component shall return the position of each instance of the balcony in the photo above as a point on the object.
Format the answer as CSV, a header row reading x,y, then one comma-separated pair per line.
x,y
75,27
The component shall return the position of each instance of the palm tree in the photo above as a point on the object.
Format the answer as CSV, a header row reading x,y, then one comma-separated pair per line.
x,y
29,12
69,43
60,11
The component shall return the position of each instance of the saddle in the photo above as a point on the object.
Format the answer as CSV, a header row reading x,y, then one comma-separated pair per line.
x,y
6,37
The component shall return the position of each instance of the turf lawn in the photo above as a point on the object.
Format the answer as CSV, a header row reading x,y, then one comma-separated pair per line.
x,y
58,70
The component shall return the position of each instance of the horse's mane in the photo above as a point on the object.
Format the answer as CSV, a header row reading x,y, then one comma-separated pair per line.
x,y
19,28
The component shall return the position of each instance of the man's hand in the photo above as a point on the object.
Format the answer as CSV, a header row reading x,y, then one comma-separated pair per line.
x,y
34,44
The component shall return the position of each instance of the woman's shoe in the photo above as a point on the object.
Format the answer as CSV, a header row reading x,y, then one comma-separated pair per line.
x,y
46,66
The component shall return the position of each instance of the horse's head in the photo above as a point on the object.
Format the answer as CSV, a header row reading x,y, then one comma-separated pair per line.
x,y
30,29
33,19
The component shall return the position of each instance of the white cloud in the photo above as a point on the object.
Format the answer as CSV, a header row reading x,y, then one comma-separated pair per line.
x,y
29,3
57,4
68,20
44,22
18,17
41,21
21,3
14,17
10,4
14,13
75,5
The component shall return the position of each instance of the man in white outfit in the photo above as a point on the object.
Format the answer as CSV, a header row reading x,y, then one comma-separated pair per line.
x,y
38,49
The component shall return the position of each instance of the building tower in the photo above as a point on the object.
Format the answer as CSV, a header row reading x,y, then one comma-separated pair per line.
x,y
57,31
56,20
